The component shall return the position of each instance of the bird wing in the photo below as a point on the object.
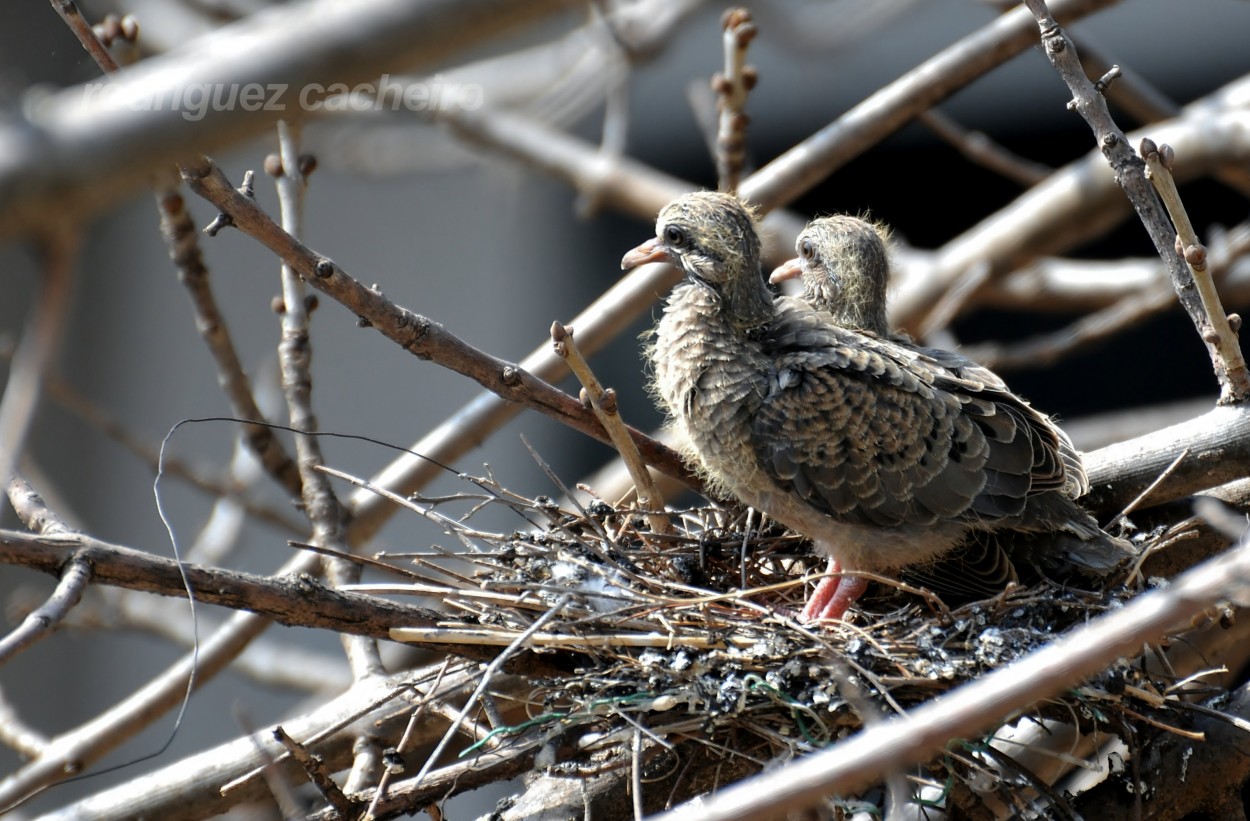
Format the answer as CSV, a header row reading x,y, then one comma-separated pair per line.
x,y
1076,482
873,432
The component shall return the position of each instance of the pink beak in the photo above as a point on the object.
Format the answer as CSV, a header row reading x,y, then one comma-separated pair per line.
x,y
652,250
786,270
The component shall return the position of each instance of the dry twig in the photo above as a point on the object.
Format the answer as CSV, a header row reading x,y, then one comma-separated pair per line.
x,y
603,403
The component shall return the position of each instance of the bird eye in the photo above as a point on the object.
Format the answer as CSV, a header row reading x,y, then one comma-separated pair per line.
x,y
674,235
807,250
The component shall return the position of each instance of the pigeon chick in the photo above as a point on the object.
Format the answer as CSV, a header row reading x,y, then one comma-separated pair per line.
x,y
882,455
845,270
844,266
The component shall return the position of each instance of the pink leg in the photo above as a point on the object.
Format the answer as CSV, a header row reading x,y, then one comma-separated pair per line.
x,y
833,595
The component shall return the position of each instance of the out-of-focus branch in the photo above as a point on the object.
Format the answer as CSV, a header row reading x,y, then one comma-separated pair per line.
x,y
184,250
16,734
1154,298
192,788
82,746
1212,771
1143,101
800,168
731,87
1075,204
40,341
84,146
980,149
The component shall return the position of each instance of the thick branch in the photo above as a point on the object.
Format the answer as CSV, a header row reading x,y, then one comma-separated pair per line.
x,y
81,148
296,601
1219,452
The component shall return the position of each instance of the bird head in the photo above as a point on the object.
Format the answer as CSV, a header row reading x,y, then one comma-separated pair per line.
x,y
842,261
712,237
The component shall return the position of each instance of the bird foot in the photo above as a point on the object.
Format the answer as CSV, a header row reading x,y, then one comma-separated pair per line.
x,y
832,597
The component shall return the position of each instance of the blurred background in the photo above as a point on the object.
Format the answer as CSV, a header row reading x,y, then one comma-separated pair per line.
x,y
495,251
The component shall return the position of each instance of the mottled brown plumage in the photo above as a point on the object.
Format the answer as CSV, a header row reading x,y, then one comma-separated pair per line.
x,y
844,266
877,451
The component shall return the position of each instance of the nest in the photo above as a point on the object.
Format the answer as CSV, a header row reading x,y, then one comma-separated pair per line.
x,y
693,635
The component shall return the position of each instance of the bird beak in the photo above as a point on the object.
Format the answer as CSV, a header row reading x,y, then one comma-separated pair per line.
x,y
786,270
653,250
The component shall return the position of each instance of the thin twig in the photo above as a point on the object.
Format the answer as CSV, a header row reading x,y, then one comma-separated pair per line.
x,y
325,513
607,411
488,676
72,16
1144,102
316,771
43,620
806,164
405,742
1145,494
287,600
416,334
978,147
1217,330
184,250
489,637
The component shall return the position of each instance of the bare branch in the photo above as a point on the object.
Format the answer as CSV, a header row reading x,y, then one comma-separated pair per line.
x,y
417,334
40,340
291,600
793,173
1130,175
1076,203
1215,326
731,87
84,146
188,258
980,149
606,411
44,619
16,734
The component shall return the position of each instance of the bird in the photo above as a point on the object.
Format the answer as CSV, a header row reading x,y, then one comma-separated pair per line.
x,y
843,263
881,454
844,267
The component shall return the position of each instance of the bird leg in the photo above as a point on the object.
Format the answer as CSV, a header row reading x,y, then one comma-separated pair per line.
x,y
833,595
